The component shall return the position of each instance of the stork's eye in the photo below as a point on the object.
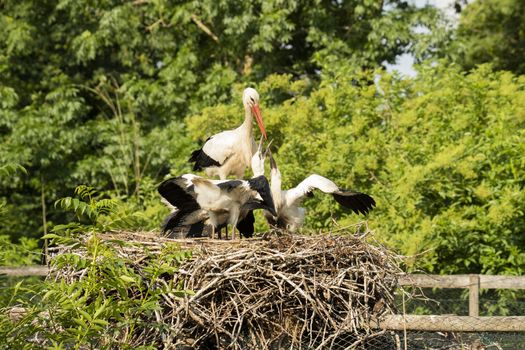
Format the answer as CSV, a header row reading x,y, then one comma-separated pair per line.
x,y
251,98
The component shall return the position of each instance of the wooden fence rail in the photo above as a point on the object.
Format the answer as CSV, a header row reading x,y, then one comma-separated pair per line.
x,y
472,282
20,271
463,281
452,323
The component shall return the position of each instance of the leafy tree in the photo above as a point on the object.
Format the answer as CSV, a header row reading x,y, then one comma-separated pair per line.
x,y
441,154
492,31
97,91
26,251
110,306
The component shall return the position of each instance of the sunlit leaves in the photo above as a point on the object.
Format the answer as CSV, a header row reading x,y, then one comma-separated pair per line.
x,y
10,169
105,307
25,252
441,154
98,92
8,97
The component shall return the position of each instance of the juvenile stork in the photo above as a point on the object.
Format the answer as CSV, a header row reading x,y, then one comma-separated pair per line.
x,y
290,216
215,202
230,152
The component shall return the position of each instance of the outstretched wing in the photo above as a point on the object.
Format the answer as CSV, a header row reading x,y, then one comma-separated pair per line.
x,y
177,193
296,195
358,202
208,194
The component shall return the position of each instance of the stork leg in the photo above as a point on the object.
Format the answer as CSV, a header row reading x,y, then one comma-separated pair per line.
x,y
226,230
212,232
234,226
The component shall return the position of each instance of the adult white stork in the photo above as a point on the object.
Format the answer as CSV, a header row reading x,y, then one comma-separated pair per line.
x,y
290,216
216,203
230,152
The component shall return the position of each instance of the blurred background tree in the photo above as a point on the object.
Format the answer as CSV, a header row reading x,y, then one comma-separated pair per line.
x,y
492,31
97,92
115,95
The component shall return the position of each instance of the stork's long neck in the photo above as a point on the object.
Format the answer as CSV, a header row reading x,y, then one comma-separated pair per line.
x,y
247,125
275,188
246,132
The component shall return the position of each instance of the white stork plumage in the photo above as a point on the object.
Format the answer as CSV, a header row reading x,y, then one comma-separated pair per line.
x,y
230,152
216,203
258,157
290,216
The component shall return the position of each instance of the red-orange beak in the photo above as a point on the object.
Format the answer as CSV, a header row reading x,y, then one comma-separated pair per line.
x,y
257,113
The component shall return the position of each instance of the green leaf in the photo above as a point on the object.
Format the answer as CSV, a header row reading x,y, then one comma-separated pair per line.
x,y
101,322
127,279
80,322
51,235
85,315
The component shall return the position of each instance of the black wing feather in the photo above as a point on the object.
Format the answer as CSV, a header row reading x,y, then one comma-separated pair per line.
x,y
230,185
262,186
196,229
245,226
359,203
201,159
176,193
171,222
174,224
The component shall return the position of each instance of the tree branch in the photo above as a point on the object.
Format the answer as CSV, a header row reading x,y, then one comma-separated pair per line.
x,y
204,28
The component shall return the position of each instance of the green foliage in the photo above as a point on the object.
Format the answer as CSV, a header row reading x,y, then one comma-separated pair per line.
x,y
117,95
25,252
113,300
108,307
441,154
492,31
94,213
97,91
7,171
11,169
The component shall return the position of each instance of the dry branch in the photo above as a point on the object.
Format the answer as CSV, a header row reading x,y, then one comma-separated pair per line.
x,y
204,28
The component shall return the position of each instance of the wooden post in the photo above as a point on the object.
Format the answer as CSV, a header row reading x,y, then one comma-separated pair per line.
x,y
473,298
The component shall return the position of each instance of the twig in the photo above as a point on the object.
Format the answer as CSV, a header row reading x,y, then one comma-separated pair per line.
x,y
204,28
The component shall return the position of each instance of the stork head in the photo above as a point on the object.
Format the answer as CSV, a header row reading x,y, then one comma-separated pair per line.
x,y
250,99
258,158
274,170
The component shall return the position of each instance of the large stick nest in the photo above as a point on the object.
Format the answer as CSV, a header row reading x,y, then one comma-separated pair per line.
x,y
299,292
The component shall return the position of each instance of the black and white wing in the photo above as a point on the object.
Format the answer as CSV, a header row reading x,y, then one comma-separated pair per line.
x,y
215,151
209,195
360,203
261,185
179,193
